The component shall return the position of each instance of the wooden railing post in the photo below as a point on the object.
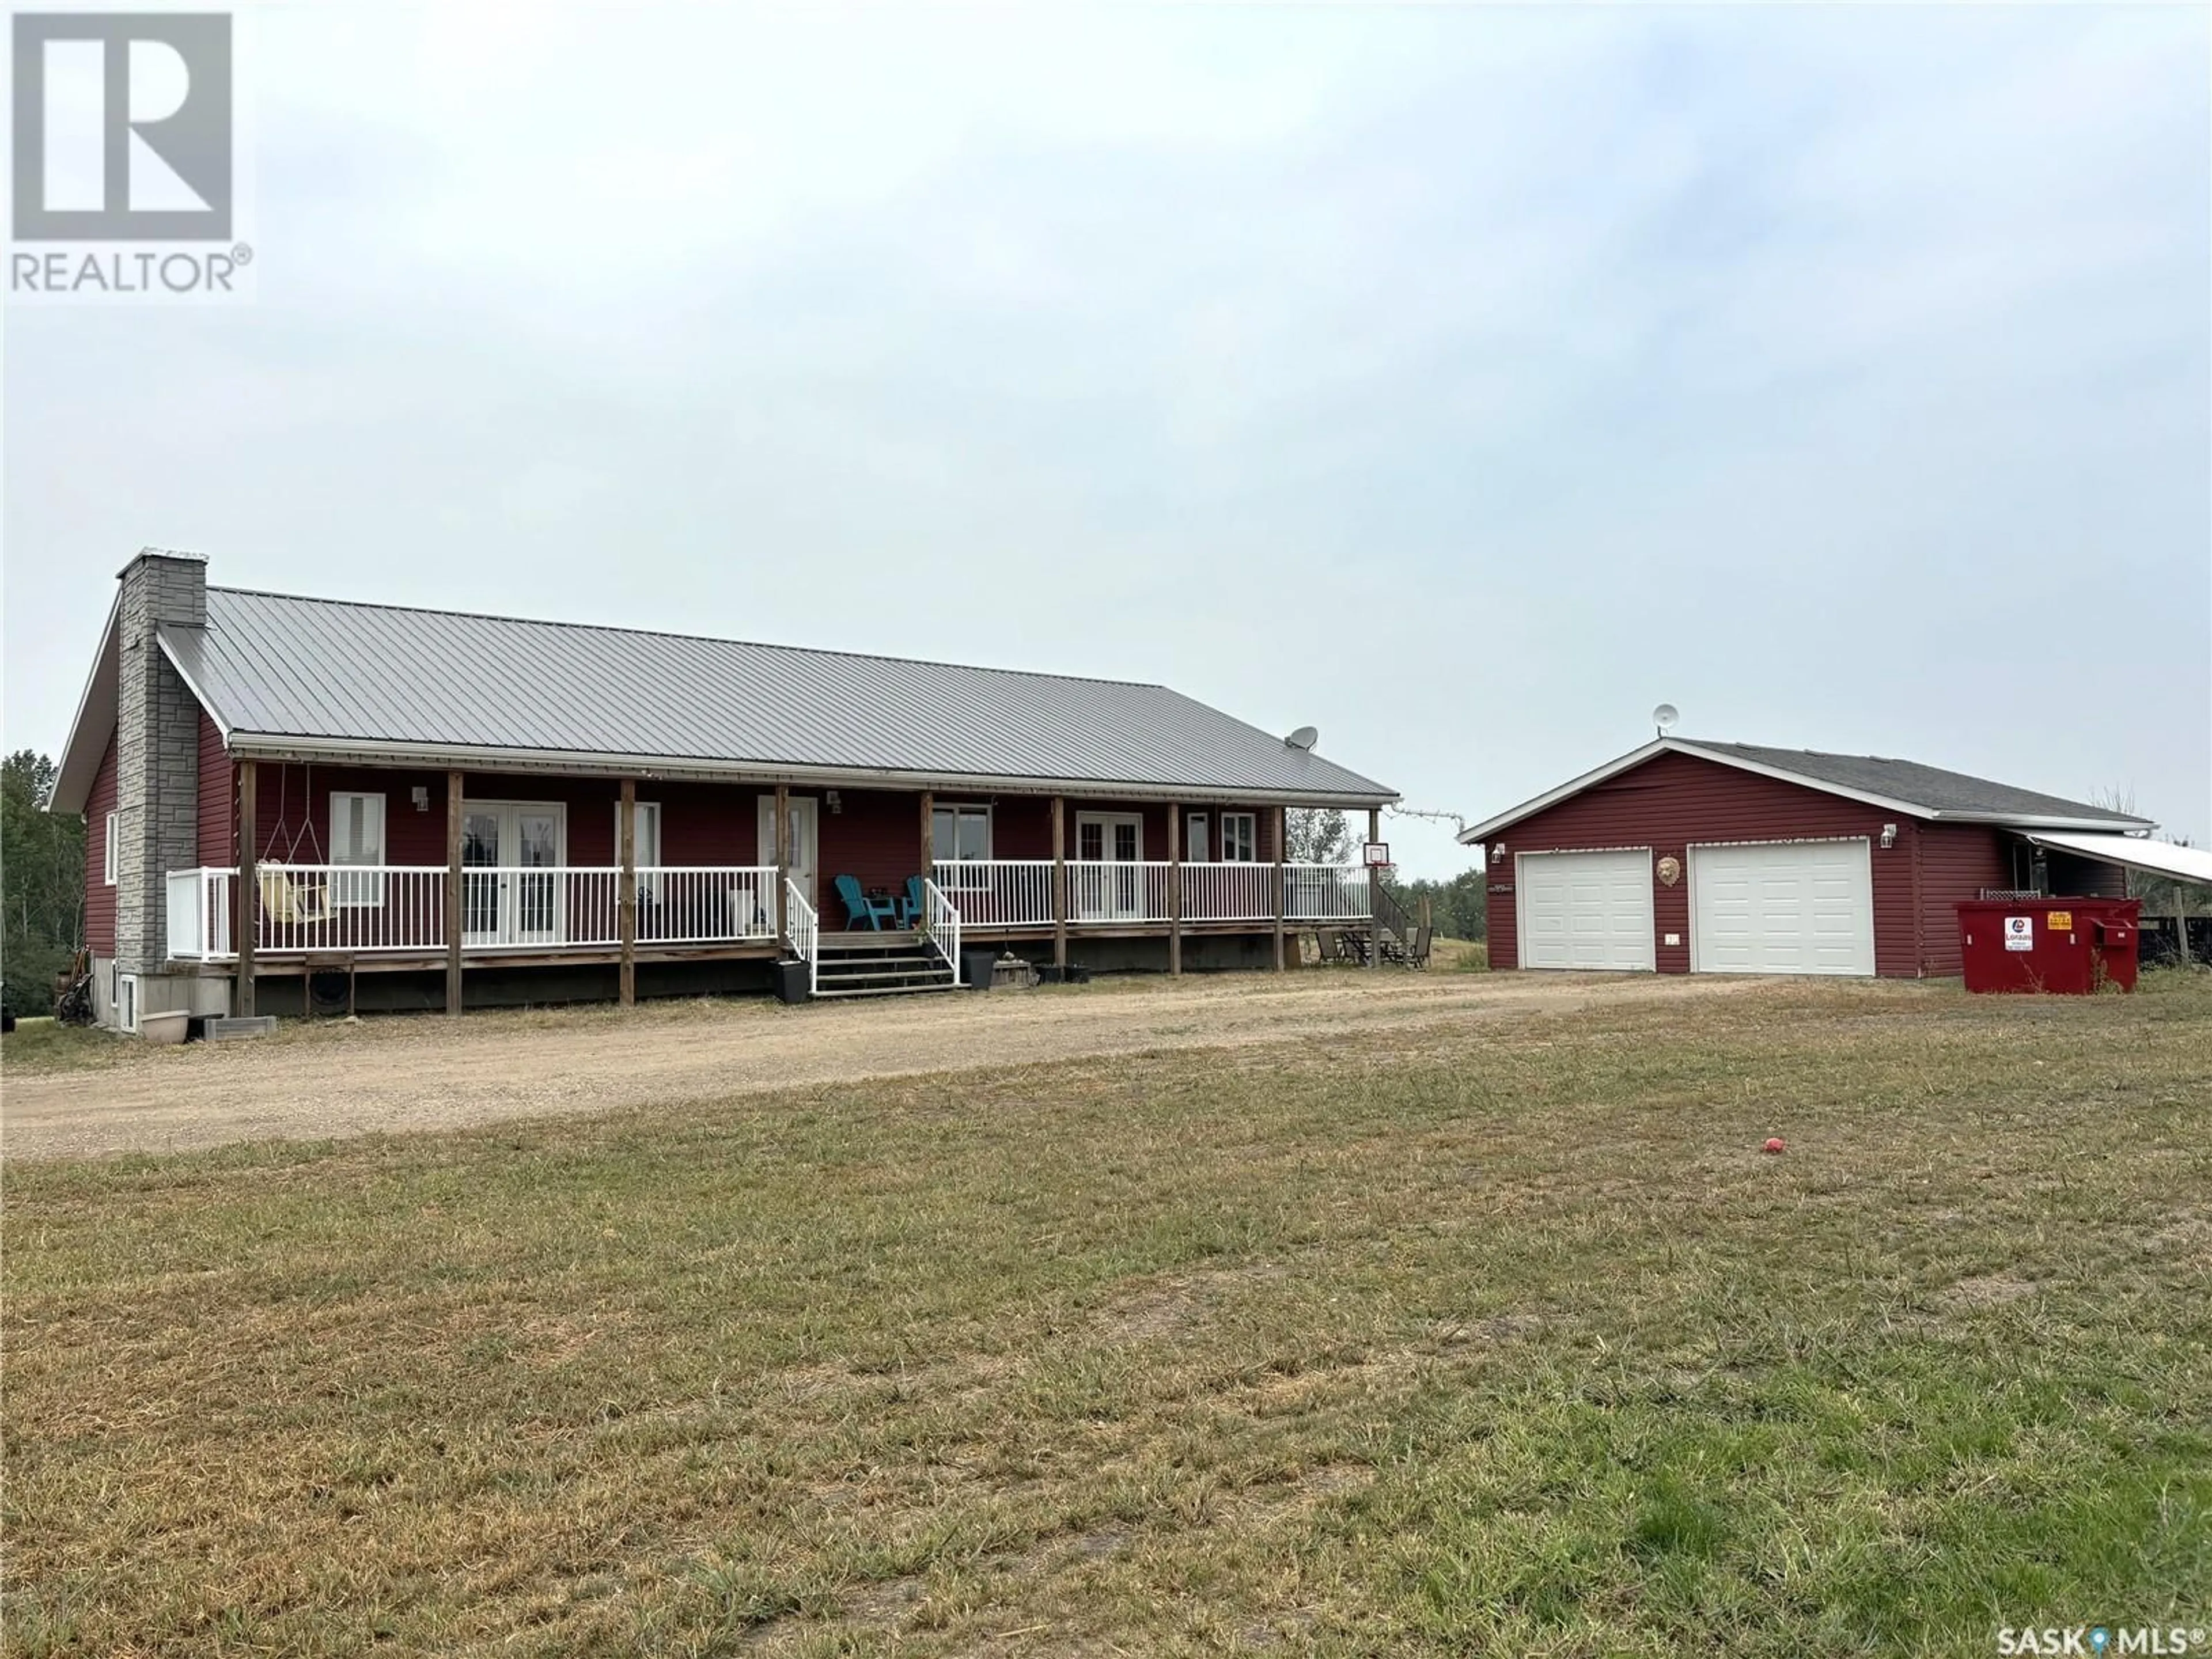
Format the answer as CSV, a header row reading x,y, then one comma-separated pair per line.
x,y
627,899
929,835
453,893
1174,890
783,867
247,903
1060,880
1373,891
1280,876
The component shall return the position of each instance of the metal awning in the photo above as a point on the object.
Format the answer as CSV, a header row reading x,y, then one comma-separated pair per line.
x,y
2161,857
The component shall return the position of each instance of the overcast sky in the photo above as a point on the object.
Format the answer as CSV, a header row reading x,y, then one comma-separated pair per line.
x,y
1463,382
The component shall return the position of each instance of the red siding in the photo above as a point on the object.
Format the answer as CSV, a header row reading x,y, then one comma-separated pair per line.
x,y
1957,861
98,896
1672,800
218,834
874,835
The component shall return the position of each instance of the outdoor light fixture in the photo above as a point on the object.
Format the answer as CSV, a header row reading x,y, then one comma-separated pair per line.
x,y
422,796
836,804
1888,837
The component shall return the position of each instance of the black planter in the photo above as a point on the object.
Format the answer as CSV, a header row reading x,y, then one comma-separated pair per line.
x,y
975,967
791,982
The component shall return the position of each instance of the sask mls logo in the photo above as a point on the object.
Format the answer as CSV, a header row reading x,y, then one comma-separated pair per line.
x,y
123,132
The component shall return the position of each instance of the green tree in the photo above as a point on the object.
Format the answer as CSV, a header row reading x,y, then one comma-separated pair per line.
x,y
41,882
1458,907
1316,834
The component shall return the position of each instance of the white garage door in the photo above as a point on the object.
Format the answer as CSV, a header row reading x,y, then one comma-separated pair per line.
x,y
1585,909
1782,908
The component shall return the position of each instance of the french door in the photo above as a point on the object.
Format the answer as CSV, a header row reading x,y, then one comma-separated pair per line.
x,y
1109,848
511,857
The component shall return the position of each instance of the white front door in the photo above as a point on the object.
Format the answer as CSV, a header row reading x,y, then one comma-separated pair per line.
x,y
806,849
1783,908
1585,909
1109,886
504,846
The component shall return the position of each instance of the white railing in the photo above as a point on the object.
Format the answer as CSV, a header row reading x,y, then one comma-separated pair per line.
x,y
1325,892
942,923
1110,891
395,909
705,904
1228,891
998,892
805,936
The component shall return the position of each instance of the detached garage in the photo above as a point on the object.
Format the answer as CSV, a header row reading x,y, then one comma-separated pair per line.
x,y
1728,858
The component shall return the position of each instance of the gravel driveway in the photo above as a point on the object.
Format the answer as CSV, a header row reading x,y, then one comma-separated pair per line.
x,y
398,1074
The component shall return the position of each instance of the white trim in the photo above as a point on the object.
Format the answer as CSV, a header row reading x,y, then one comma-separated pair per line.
x,y
1249,818
1490,827
364,892
477,757
100,703
111,846
1777,841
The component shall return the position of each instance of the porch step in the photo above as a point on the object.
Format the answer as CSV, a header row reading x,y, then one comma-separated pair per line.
x,y
827,993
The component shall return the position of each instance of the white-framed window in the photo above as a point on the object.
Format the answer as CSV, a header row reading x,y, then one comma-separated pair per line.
x,y
126,1002
1240,837
645,834
645,842
356,837
1198,839
960,832
111,845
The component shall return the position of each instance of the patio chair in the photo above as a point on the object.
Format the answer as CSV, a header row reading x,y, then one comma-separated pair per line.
x,y
859,908
910,906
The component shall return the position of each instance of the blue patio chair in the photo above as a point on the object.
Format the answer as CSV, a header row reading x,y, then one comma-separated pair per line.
x,y
910,906
859,908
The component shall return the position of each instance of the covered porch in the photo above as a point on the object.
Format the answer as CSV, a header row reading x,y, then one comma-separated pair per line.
x,y
818,869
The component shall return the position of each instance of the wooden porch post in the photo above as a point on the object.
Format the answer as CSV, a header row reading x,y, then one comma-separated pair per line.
x,y
247,901
929,835
627,898
1174,890
1280,867
453,893
783,867
1373,891
1060,880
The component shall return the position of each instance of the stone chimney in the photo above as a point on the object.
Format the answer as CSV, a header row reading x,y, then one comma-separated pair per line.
x,y
157,742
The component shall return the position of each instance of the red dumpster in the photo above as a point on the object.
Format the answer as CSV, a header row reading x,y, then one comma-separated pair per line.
x,y
2072,945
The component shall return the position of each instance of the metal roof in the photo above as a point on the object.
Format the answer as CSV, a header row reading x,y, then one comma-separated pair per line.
x,y
2161,857
282,675
1899,786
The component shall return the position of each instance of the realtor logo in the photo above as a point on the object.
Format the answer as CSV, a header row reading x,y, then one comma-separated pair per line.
x,y
123,127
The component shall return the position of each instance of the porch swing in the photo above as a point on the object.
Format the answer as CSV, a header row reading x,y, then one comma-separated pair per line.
x,y
290,897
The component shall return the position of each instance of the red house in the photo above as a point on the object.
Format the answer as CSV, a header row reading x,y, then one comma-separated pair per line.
x,y
416,808
1693,857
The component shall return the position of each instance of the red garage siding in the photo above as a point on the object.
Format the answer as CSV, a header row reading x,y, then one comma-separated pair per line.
x,y
1672,801
98,896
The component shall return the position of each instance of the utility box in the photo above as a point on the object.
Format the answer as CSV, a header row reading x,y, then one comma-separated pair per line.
x,y
2072,946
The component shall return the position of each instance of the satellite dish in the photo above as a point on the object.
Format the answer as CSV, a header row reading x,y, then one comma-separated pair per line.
x,y
1664,717
1304,737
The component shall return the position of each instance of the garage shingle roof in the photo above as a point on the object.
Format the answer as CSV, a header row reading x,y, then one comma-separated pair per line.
x,y
1930,787
274,669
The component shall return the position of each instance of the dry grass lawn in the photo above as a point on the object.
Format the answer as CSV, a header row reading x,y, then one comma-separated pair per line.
x,y
1478,1336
